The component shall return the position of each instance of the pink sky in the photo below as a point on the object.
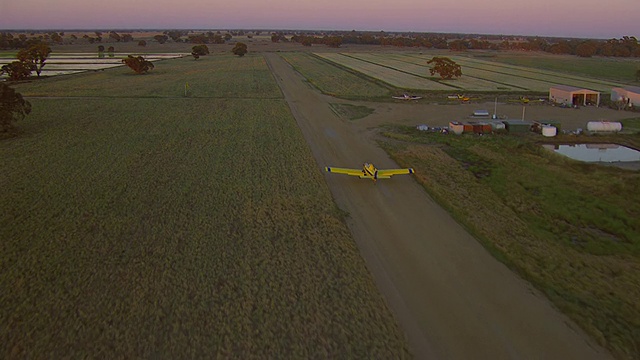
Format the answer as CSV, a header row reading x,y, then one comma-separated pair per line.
x,y
585,18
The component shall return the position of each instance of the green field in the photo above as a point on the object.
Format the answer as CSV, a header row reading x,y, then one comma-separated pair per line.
x,y
612,69
333,80
411,71
570,228
137,222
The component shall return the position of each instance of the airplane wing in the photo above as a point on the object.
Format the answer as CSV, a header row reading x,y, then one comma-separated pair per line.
x,y
353,172
385,174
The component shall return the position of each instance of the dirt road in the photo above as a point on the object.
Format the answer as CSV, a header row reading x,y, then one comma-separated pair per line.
x,y
452,299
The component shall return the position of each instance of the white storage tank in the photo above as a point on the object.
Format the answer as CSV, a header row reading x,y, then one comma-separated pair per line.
x,y
604,126
549,131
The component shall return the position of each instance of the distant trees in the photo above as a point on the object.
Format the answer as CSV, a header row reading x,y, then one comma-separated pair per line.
x,y
138,64
586,49
175,34
111,51
115,36
239,49
161,38
199,50
333,41
142,43
100,51
277,37
12,107
444,67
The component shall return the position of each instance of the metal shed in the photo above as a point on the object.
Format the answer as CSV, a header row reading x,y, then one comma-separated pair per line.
x,y
630,95
517,126
573,96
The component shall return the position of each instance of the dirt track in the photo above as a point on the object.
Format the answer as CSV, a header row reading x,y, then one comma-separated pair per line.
x,y
452,299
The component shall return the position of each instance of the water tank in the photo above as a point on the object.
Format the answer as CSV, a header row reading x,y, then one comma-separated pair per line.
x,y
549,131
604,126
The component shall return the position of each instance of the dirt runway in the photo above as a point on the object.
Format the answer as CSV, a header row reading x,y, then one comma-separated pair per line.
x,y
452,299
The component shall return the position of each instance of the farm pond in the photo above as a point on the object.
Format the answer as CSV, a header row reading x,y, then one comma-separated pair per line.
x,y
611,154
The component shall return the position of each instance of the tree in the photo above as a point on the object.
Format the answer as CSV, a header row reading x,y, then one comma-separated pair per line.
x,y
17,70
36,54
199,50
239,49
142,43
333,41
111,50
115,36
12,107
100,51
586,49
444,67
161,39
138,64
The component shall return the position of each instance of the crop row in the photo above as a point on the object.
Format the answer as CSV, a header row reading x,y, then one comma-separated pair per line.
x,y
390,76
535,72
333,80
501,76
421,68
547,76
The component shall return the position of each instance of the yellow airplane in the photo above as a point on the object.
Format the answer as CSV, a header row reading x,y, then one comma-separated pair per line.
x,y
462,98
369,171
525,100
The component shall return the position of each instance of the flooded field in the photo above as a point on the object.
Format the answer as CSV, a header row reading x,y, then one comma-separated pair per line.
x,y
612,154
71,63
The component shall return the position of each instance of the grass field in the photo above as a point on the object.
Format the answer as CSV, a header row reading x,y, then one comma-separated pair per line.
x,y
570,228
393,77
333,80
612,69
411,71
137,222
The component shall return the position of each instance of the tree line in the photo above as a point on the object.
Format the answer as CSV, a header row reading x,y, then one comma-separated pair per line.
x,y
627,46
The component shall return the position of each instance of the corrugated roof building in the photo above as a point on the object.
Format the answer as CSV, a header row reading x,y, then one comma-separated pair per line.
x,y
573,96
628,94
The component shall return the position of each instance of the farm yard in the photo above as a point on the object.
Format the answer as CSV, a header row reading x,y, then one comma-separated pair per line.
x,y
184,212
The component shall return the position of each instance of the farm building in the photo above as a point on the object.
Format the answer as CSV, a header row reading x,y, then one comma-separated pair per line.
x,y
481,113
517,126
480,127
573,96
630,95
